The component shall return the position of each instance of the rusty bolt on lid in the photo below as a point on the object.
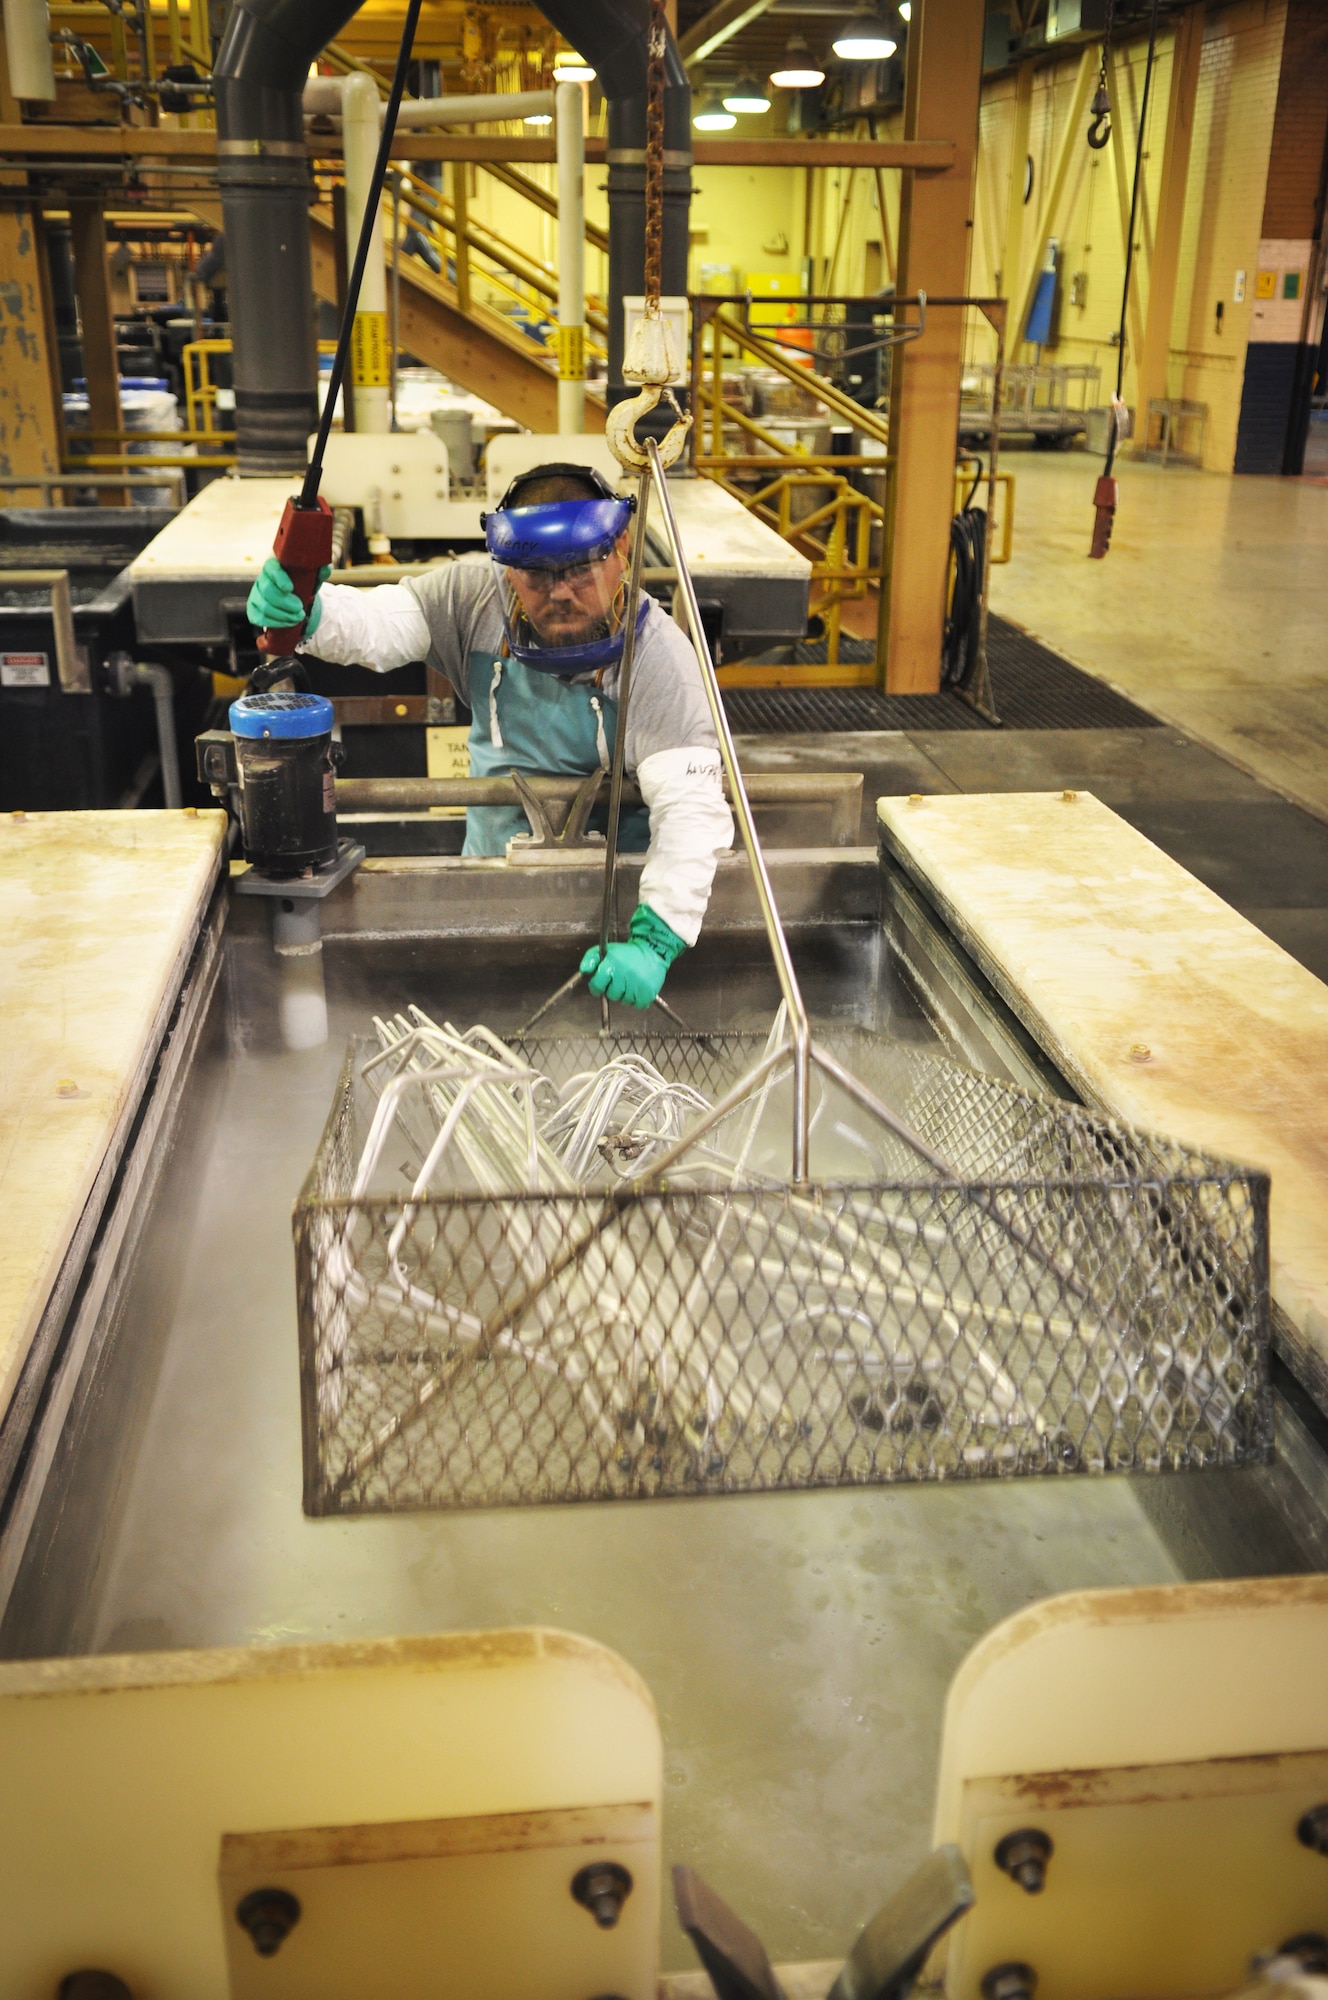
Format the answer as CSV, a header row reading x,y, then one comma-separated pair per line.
x,y
269,1916
1024,1856
602,1887
1012,1981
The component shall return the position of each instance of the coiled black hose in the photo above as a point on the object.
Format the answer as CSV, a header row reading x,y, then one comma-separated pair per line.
x,y
968,543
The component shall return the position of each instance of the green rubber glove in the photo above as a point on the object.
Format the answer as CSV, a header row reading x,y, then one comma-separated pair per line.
x,y
633,973
273,605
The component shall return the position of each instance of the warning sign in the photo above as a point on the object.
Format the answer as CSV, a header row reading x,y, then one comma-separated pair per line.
x,y
370,362
25,670
571,354
448,753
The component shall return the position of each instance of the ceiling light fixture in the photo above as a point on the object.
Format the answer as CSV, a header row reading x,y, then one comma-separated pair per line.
x,y
712,117
747,96
538,118
906,10
863,38
798,71
568,67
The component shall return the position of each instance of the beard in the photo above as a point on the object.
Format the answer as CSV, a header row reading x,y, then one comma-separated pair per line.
x,y
574,628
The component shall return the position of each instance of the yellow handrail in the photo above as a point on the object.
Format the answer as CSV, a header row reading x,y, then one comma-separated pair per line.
x,y
200,391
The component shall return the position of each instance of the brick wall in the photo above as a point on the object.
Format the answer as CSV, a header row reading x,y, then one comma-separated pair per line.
x,y
1300,129
1278,361
1224,201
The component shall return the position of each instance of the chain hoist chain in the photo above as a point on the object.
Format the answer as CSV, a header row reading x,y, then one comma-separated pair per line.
x,y
655,152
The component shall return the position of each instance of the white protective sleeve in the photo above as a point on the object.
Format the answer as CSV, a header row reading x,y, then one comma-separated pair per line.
x,y
380,628
690,827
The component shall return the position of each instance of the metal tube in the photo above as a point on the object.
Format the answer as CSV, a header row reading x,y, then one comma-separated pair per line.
x,y
993,458
360,134
871,1102
572,264
395,349
314,470
765,896
28,47
614,38
163,698
841,791
263,171
624,696
48,482
476,110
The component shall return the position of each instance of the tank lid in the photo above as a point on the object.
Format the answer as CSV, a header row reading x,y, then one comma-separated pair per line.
x,y
282,715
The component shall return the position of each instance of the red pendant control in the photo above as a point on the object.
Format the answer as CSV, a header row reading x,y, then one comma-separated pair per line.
x,y
302,546
1104,501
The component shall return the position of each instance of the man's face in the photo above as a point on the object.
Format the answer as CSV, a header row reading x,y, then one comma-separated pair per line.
x,y
569,606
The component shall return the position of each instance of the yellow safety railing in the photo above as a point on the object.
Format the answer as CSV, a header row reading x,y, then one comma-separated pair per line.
x,y
506,267
200,391
810,497
776,480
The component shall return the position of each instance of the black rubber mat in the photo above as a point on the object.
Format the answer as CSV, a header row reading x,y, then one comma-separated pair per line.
x,y
1033,687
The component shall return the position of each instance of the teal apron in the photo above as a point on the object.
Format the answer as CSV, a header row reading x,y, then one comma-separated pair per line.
x,y
543,727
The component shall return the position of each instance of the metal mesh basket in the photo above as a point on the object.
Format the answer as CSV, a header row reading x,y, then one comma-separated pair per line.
x,y
1081,1298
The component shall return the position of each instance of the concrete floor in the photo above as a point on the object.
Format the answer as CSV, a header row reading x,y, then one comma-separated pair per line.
x,y
1209,609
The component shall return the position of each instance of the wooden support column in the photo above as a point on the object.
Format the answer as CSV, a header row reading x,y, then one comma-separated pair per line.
x,y
31,430
92,283
935,231
1151,379
30,424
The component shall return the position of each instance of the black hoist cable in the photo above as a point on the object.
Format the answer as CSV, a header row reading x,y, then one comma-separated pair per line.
x,y
313,476
1129,241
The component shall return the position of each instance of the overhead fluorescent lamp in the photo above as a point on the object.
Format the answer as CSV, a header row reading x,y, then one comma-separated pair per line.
x,y
863,42
747,96
798,71
713,118
571,69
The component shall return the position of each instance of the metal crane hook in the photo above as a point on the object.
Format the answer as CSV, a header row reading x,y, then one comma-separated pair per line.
x,y
620,428
1099,130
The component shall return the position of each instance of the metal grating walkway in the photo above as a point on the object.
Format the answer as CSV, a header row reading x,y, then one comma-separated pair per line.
x,y
1034,689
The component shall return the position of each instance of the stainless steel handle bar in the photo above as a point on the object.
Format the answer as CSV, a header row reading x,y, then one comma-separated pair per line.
x,y
799,1028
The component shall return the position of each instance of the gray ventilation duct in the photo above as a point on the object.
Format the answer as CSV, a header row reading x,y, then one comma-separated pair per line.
x,y
266,190
262,166
612,36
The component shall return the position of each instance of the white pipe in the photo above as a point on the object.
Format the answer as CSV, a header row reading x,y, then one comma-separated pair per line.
x,y
370,361
160,680
128,673
571,259
323,97
476,110
28,46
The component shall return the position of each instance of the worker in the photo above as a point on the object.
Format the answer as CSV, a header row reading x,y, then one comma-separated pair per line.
x,y
531,638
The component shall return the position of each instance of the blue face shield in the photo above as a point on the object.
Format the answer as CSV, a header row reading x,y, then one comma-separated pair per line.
x,y
562,581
